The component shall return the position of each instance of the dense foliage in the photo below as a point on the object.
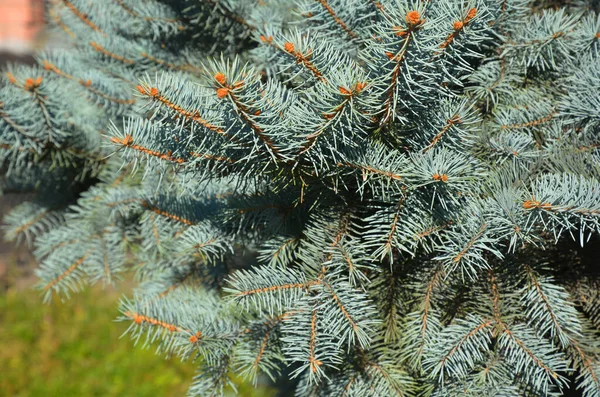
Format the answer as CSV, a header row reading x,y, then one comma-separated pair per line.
x,y
357,198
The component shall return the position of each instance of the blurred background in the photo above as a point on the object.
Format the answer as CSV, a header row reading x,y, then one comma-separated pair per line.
x,y
70,348
20,24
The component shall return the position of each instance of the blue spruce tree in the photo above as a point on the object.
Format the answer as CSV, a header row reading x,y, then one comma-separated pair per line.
x,y
357,198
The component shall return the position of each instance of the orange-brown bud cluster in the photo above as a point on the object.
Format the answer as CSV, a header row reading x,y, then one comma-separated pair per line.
x,y
458,26
195,338
267,40
127,141
153,92
358,87
220,78
225,88
222,92
11,78
471,14
413,18
303,59
31,84
400,32
440,177
314,365
289,47
531,204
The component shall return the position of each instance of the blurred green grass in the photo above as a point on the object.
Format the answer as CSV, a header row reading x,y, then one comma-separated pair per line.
x,y
73,348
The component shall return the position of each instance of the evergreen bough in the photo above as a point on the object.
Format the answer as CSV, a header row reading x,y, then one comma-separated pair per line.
x,y
359,198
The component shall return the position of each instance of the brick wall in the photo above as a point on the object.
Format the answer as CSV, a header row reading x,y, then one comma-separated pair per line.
x,y
20,22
